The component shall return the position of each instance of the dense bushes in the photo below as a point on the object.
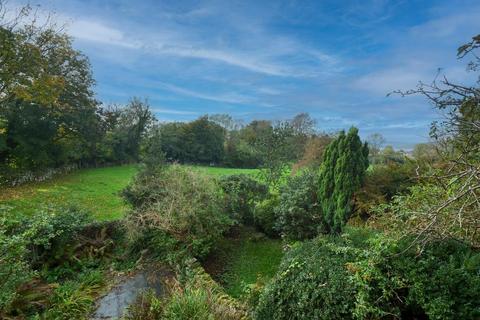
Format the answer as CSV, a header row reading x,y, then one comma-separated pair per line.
x,y
369,276
312,283
241,192
184,204
26,243
298,214
393,278
382,183
264,215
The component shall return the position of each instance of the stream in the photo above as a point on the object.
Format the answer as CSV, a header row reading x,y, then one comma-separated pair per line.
x,y
114,304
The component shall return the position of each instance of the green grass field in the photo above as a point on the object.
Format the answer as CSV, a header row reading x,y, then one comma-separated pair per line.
x,y
217,171
245,258
96,190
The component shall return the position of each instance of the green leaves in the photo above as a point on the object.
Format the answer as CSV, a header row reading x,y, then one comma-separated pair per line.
x,y
341,175
25,243
181,203
241,192
298,213
312,283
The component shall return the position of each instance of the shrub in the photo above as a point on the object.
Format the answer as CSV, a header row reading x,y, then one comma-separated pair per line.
x,y
393,278
145,188
312,283
367,275
75,299
184,204
29,242
189,304
241,192
147,306
382,183
298,213
14,268
264,215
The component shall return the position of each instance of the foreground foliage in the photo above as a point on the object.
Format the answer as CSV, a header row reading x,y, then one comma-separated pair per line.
x,y
311,283
362,275
191,295
50,262
298,215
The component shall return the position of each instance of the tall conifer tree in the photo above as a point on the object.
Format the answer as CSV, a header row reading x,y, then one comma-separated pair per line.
x,y
341,175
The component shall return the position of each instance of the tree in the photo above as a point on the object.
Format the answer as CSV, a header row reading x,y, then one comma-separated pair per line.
x,y
313,152
447,205
44,82
276,151
341,175
303,127
255,131
24,66
131,124
152,155
204,141
199,141
425,153
240,154
375,142
226,121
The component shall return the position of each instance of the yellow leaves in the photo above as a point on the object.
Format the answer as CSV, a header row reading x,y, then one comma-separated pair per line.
x,y
351,267
45,90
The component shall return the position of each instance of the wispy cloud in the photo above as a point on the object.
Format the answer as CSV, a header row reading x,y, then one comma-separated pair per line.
x,y
245,61
95,31
172,111
223,97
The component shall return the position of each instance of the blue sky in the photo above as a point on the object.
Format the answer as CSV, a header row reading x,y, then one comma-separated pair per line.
x,y
336,60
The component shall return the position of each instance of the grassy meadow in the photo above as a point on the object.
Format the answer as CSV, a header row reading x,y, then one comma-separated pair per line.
x,y
241,259
96,190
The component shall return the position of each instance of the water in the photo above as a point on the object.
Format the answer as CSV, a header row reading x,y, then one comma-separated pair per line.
x,y
114,304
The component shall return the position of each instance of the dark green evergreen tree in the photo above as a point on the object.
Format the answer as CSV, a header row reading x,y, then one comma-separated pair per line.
x,y
341,175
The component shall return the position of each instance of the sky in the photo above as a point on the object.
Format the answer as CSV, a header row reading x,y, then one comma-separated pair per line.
x,y
336,60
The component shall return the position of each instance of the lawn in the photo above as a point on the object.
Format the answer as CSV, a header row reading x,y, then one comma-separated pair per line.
x,y
218,171
94,189
240,259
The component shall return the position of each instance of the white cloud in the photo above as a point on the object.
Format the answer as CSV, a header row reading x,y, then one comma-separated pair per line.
x,y
389,79
224,97
95,31
405,125
448,25
239,60
172,111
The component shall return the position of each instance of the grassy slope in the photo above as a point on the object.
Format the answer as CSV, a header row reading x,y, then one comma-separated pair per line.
x,y
94,189
240,260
